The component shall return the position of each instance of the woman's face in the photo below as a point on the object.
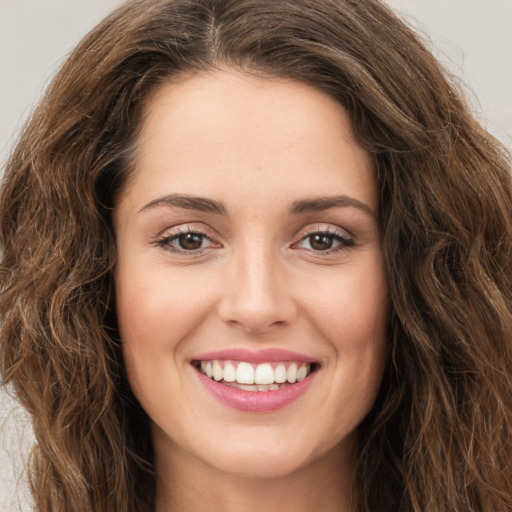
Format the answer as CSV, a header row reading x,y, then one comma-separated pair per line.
x,y
248,249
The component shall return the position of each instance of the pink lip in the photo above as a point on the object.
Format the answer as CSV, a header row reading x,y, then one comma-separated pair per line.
x,y
256,401
268,355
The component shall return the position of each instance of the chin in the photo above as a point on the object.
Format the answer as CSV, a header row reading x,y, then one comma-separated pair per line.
x,y
267,456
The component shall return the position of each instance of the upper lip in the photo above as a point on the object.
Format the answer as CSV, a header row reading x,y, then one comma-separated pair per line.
x,y
267,355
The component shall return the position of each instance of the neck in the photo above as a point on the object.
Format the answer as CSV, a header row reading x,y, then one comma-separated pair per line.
x,y
186,484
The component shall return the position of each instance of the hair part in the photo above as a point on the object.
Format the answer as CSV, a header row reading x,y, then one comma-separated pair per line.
x,y
440,434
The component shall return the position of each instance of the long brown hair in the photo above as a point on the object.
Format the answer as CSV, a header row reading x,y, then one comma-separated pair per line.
x,y
439,437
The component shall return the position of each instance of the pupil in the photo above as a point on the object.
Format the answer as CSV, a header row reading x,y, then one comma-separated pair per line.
x,y
190,241
321,242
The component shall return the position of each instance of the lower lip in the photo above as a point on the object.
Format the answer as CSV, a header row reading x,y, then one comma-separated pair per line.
x,y
256,401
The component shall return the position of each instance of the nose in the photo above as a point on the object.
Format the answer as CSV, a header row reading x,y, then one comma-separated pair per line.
x,y
257,294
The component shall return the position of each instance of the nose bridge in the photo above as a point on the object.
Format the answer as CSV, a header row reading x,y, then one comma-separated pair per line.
x,y
257,295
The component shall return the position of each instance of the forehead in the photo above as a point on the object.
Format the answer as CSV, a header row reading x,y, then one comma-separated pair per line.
x,y
221,129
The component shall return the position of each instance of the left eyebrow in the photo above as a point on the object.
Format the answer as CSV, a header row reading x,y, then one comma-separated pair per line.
x,y
319,204
187,202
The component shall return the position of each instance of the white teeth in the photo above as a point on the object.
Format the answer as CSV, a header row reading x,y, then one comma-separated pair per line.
x,y
245,373
264,374
261,377
245,387
280,374
301,373
291,374
256,387
229,373
217,371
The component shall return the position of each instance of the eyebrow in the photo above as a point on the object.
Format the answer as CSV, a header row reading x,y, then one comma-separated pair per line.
x,y
200,204
316,204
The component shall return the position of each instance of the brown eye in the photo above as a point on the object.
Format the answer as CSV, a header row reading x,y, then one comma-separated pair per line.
x,y
187,242
321,241
190,241
325,241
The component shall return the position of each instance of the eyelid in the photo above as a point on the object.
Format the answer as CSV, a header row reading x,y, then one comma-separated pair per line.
x,y
324,228
188,227
172,233
345,238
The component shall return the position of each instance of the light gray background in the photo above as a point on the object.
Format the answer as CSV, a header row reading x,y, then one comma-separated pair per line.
x,y
473,38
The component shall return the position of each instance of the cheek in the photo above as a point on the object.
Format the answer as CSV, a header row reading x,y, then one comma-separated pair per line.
x,y
352,316
352,307
158,306
156,311
360,331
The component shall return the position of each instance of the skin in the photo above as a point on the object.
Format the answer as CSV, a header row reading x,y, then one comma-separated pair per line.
x,y
258,146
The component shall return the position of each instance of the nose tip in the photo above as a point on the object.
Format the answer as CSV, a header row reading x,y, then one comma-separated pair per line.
x,y
257,299
253,322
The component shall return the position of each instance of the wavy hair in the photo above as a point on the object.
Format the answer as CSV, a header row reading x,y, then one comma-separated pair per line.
x,y
439,436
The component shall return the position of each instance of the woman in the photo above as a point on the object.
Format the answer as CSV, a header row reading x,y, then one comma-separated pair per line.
x,y
256,254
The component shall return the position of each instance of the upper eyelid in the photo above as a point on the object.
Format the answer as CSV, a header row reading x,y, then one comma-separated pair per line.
x,y
348,241
188,227
211,234
164,242
177,234
323,228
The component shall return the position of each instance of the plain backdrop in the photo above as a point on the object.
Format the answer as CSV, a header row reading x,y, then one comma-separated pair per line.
x,y
472,38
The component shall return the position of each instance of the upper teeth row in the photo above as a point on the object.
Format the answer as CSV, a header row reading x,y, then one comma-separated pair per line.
x,y
246,373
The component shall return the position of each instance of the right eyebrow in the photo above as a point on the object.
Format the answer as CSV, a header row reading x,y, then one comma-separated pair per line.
x,y
325,203
200,204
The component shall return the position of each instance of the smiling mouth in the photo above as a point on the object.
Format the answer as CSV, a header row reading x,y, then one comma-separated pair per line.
x,y
269,376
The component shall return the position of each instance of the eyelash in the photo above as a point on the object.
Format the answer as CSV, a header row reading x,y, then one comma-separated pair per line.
x,y
344,241
165,241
